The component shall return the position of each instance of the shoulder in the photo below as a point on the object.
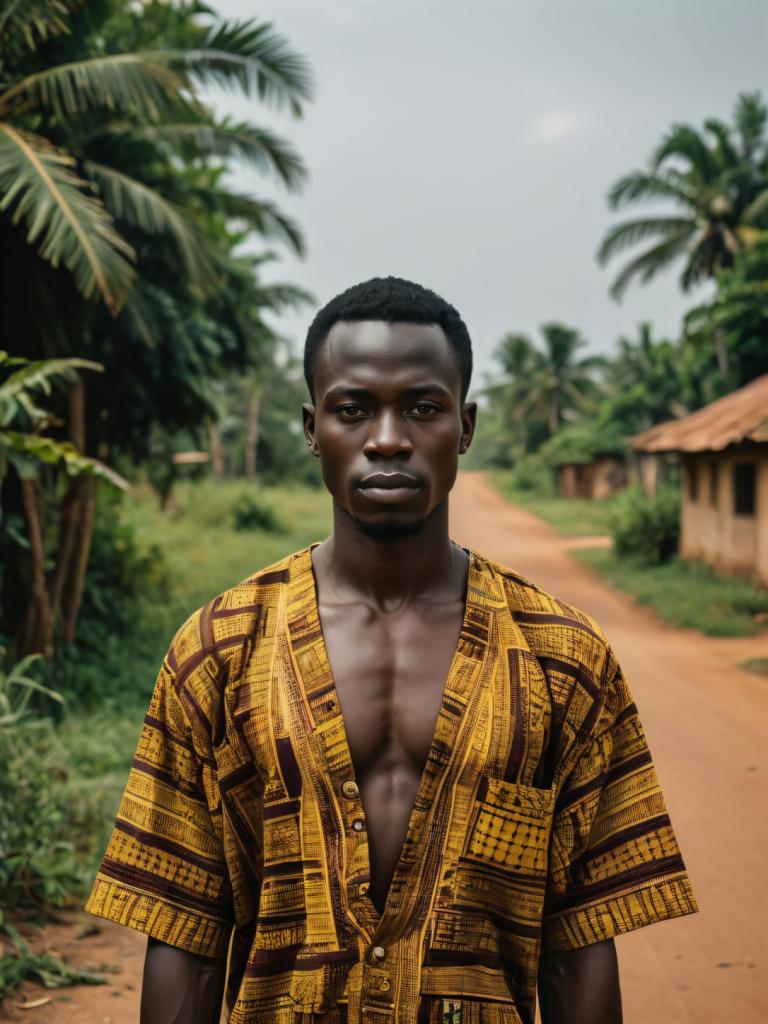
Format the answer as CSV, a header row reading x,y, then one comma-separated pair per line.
x,y
211,645
564,638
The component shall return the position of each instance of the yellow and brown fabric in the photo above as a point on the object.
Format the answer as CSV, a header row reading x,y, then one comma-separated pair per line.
x,y
539,821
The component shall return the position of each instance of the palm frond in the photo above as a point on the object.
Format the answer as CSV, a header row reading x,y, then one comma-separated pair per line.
x,y
750,116
132,82
687,144
50,452
254,58
649,263
258,215
34,21
629,233
706,255
726,151
756,208
20,379
69,227
257,146
143,207
642,185
278,297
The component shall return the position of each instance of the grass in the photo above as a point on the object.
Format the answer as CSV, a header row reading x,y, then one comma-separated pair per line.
x,y
757,665
206,553
69,776
686,594
572,517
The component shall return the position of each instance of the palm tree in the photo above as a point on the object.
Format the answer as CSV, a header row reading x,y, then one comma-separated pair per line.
x,y
68,130
562,384
116,228
718,181
541,389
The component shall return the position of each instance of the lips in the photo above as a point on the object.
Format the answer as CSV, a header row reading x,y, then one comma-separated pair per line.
x,y
389,488
389,480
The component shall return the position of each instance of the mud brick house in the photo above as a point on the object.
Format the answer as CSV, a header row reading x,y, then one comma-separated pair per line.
x,y
723,449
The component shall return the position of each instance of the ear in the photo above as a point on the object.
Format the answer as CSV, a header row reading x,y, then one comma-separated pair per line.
x,y
308,415
468,422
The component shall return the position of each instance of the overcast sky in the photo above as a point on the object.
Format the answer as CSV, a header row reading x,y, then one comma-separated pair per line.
x,y
469,145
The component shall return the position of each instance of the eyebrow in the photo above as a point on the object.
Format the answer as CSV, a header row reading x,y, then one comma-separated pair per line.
x,y
344,391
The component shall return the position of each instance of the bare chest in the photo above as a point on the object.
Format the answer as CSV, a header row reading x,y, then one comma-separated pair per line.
x,y
390,672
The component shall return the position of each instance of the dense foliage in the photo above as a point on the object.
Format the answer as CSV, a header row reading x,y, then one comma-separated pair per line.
x,y
122,246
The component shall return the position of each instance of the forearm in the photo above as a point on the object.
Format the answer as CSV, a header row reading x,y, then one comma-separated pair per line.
x,y
180,987
580,986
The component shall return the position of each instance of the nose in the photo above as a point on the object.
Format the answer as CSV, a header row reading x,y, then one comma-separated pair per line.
x,y
388,436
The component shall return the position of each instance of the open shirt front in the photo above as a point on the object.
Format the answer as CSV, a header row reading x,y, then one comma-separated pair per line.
x,y
539,820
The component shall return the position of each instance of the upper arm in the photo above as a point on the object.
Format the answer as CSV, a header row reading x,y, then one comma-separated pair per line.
x,y
165,871
614,862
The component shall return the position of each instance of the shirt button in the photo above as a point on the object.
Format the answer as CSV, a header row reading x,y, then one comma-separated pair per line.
x,y
384,985
364,887
357,825
349,789
379,952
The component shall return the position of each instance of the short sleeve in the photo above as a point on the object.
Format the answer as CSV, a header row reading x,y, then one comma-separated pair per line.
x,y
615,864
164,871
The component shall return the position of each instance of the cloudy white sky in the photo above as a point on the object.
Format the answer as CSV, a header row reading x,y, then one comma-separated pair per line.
x,y
470,145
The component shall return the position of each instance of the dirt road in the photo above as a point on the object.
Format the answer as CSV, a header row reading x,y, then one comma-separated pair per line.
x,y
707,724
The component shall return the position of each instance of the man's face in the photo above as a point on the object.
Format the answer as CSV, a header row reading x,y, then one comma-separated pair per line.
x,y
388,422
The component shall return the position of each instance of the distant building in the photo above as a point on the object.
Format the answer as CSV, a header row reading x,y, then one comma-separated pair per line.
x,y
723,449
599,478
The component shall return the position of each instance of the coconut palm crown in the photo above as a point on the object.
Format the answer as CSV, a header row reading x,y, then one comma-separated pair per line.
x,y
717,179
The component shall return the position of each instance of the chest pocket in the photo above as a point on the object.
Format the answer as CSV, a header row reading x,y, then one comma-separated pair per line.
x,y
501,879
508,831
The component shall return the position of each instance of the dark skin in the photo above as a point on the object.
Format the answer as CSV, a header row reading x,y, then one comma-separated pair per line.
x,y
387,399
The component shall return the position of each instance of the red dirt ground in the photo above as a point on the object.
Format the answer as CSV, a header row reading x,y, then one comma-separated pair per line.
x,y
706,722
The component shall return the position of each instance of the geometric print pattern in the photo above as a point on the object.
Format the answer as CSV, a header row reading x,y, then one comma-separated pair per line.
x,y
539,821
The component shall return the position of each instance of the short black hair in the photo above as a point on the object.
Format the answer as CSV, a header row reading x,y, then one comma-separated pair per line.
x,y
393,300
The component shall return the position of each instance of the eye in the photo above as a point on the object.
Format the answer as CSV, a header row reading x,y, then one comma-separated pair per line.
x,y
350,412
425,409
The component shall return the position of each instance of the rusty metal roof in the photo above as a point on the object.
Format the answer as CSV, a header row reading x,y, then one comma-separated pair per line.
x,y
740,416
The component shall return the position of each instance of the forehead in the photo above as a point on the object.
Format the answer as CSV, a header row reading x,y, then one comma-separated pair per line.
x,y
380,355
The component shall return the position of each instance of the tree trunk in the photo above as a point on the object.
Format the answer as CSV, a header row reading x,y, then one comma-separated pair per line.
x,y
553,417
37,632
76,520
252,434
722,352
217,450
73,594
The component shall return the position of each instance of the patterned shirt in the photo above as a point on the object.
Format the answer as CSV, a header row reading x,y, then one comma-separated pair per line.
x,y
539,821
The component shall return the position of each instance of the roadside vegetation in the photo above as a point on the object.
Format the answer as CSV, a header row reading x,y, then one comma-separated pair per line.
x,y
573,517
64,761
554,410
686,594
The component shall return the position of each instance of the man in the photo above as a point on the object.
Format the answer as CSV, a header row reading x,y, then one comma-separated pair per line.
x,y
395,780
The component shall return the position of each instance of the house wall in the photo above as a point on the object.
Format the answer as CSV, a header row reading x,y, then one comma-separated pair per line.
x,y
598,479
711,530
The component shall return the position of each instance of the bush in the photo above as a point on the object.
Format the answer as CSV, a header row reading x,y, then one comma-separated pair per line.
x,y
646,529
125,583
36,863
250,514
530,473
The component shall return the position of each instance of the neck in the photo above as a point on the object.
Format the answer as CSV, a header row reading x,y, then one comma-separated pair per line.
x,y
408,567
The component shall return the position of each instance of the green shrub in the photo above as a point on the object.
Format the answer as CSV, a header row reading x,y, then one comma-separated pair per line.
x,y
37,864
646,529
250,514
119,634
531,474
